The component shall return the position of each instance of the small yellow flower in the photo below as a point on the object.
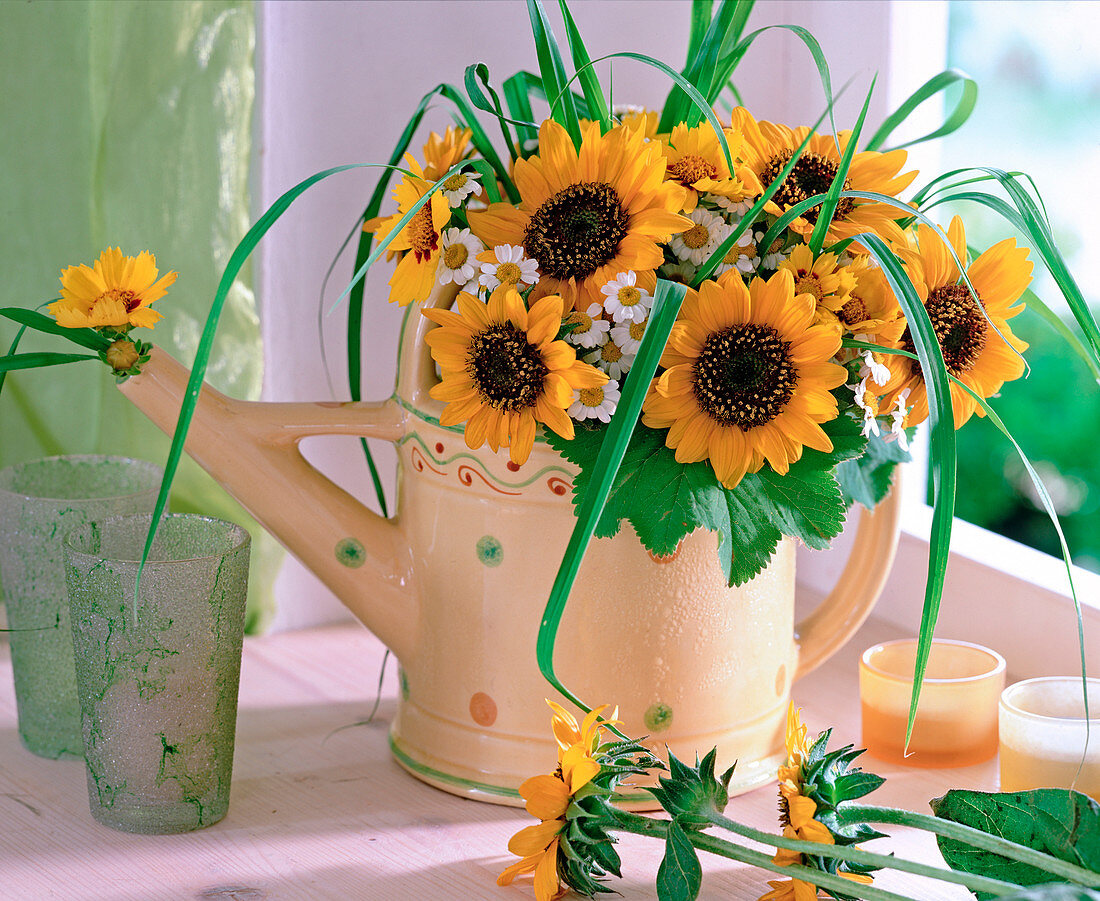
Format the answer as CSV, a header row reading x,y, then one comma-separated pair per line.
x,y
114,292
568,733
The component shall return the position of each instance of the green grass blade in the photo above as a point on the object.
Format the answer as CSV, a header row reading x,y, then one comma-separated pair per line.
x,y
832,196
964,106
552,69
943,451
37,360
688,88
677,107
488,179
84,337
590,84
480,139
666,305
517,96
206,342
1056,322
490,103
701,14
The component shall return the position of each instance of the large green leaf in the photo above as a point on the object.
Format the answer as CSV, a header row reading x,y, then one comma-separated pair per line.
x,y
680,875
867,479
1059,822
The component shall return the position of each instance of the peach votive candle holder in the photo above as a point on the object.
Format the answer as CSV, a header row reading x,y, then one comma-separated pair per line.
x,y
1043,735
956,722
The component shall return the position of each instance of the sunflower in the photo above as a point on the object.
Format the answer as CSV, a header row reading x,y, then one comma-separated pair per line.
x,y
695,160
807,771
587,216
747,377
548,797
830,283
979,348
568,733
414,276
767,149
114,292
503,370
871,309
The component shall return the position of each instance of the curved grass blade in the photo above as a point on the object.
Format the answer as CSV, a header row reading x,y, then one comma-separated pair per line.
x,y
479,72
488,179
37,360
590,83
701,13
666,305
943,454
702,71
32,319
832,196
1056,322
552,70
190,398
964,106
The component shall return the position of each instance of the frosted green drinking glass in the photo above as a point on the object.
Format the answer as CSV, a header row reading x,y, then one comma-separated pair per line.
x,y
157,681
39,502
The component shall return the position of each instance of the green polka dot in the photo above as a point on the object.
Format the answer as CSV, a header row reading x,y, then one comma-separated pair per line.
x,y
658,717
404,680
489,551
351,553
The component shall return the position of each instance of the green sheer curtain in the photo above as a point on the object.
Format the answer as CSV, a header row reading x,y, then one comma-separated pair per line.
x,y
128,124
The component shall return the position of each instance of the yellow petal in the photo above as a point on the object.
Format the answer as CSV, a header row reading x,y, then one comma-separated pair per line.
x,y
533,839
547,796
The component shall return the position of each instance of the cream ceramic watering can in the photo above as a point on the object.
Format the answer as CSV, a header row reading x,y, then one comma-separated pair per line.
x,y
456,582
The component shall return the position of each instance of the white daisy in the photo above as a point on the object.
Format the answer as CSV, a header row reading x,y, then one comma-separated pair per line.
x,y
897,427
595,403
868,403
626,302
628,336
458,187
774,255
737,207
458,261
879,373
592,328
610,358
697,243
507,265
745,252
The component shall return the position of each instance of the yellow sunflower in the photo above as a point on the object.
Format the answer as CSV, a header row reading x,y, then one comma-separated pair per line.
x,y
441,153
973,350
695,160
747,377
587,216
871,309
825,279
414,276
767,149
548,797
114,292
503,370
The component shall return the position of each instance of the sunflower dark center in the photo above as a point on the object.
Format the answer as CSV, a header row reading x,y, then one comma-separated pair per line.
x,y
744,376
690,168
576,231
812,174
854,311
960,326
506,368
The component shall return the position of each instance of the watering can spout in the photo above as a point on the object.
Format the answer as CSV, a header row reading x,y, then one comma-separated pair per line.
x,y
252,450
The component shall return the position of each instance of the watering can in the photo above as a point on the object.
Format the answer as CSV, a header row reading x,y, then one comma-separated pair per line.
x,y
456,581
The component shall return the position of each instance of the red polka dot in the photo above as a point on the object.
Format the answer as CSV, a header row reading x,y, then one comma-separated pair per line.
x,y
513,467
483,709
439,447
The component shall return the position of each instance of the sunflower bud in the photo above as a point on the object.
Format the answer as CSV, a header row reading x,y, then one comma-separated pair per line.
x,y
122,355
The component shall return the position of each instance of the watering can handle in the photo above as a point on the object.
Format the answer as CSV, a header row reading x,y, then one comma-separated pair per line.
x,y
837,618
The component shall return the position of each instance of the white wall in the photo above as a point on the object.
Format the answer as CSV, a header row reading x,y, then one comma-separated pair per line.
x,y
338,81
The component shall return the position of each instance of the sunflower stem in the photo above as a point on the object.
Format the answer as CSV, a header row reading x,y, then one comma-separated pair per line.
x,y
868,858
640,825
974,837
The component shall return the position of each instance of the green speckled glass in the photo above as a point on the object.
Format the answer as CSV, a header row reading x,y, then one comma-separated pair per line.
x,y
157,681
39,502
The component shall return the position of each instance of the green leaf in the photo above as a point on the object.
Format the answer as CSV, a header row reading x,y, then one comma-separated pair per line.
x,y
490,103
590,84
562,108
680,875
84,337
867,479
1059,822
805,503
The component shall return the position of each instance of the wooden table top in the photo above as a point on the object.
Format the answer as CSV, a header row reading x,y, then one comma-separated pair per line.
x,y
319,810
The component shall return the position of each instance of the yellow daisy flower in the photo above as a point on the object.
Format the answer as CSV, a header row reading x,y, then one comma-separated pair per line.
x,y
825,279
441,153
641,120
503,370
973,351
568,733
548,797
695,160
114,292
747,377
585,216
767,149
871,309
414,276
